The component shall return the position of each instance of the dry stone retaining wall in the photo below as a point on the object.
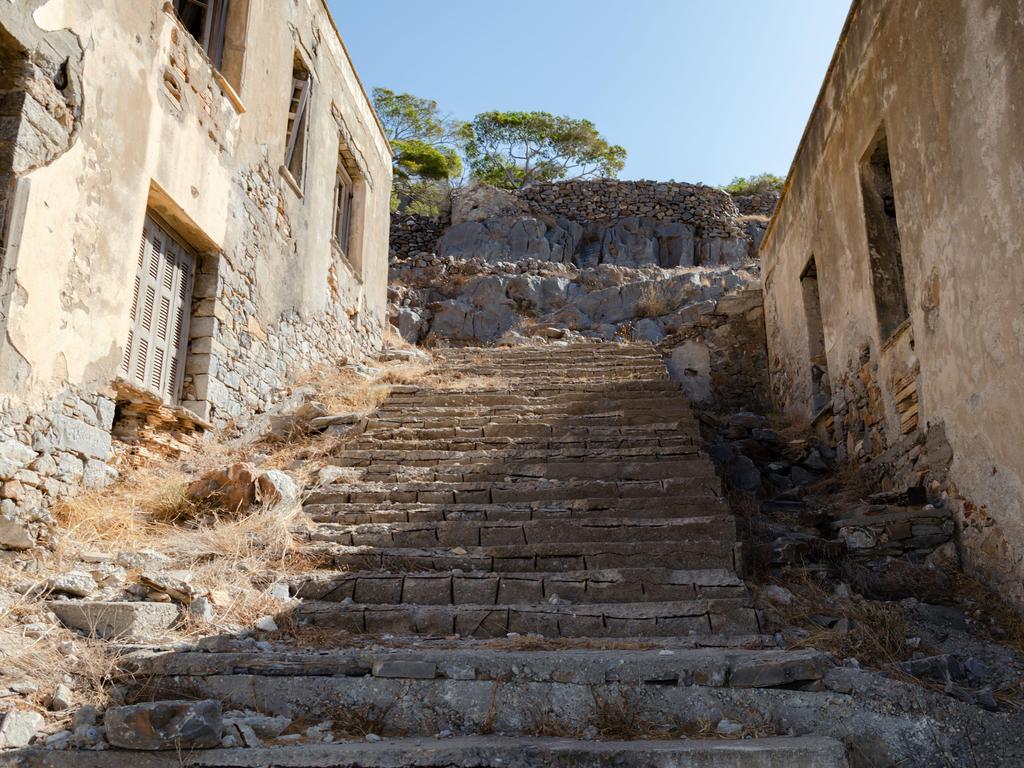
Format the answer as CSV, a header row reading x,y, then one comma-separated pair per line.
x,y
604,201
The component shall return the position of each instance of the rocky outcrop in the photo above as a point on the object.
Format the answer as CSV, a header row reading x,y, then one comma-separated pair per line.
x,y
438,300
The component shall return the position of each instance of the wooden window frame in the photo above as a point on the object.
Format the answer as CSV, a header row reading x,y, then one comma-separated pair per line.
x,y
298,124
344,199
213,36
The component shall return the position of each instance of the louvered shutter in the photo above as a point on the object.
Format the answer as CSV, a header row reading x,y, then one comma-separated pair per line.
x,y
161,302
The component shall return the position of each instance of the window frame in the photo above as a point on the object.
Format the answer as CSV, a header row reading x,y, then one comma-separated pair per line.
x,y
297,129
344,200
213,38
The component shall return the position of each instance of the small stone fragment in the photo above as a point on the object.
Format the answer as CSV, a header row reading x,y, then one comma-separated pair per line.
x,y
14,535
74,583
61,699
266,624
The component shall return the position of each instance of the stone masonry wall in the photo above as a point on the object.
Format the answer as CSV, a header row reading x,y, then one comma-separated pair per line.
x,y
271,297
762,204
414,234
711,213
235,363
603,201
718,353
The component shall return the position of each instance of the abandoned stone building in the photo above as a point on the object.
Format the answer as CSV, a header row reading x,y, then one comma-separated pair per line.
x,y
194,203
892,265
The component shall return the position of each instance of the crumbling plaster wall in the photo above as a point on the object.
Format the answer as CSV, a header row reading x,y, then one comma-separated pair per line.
x,y
946,78
159,129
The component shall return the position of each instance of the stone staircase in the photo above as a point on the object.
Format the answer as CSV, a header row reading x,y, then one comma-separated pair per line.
x,y
536,573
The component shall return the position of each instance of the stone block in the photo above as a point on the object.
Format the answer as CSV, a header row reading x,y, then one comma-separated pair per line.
x,y
14,535
129,622
19,728
81,438
405,669
165,725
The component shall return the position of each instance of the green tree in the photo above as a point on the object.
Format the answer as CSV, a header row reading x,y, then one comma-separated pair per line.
x,y
513,150
755,185
426,146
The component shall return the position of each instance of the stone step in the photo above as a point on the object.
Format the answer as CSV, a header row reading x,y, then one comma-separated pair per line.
x,y
519,491
679,555
596,415
594,620
737,668
413,395
566,402
534,430
634,585
566,470
557,445
354,457
472,752
469,533
583,509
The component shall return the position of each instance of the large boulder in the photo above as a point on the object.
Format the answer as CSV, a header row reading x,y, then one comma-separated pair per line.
x,y
630,242
676,244
479,202
237,488
719,251
411,323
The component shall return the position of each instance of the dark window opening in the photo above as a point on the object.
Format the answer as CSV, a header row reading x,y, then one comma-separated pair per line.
x,y
298,113
344,194
885,253
821,387
207,22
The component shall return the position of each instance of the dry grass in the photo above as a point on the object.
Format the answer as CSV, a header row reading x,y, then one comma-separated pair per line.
x,y
1002,623
653,303
622,716
548,725
55,656
359,721
877,634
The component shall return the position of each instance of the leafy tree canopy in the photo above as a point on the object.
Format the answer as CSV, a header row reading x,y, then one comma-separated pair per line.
x,y
426,147
755,185
513,150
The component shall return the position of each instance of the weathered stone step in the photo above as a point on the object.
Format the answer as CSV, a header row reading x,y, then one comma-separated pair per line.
x,y
594,418
583,509
507,403
524,392
556,444
594,620
706,667
532,429
634,585
354,457
478,473
521,491
566,470
468,533
585,556
471,752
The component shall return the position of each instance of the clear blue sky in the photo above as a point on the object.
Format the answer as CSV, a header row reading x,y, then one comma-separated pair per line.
x,y
696,90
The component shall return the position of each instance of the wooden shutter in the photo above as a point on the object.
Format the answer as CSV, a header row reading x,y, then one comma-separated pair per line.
x,y
297,123
161,304
217,24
